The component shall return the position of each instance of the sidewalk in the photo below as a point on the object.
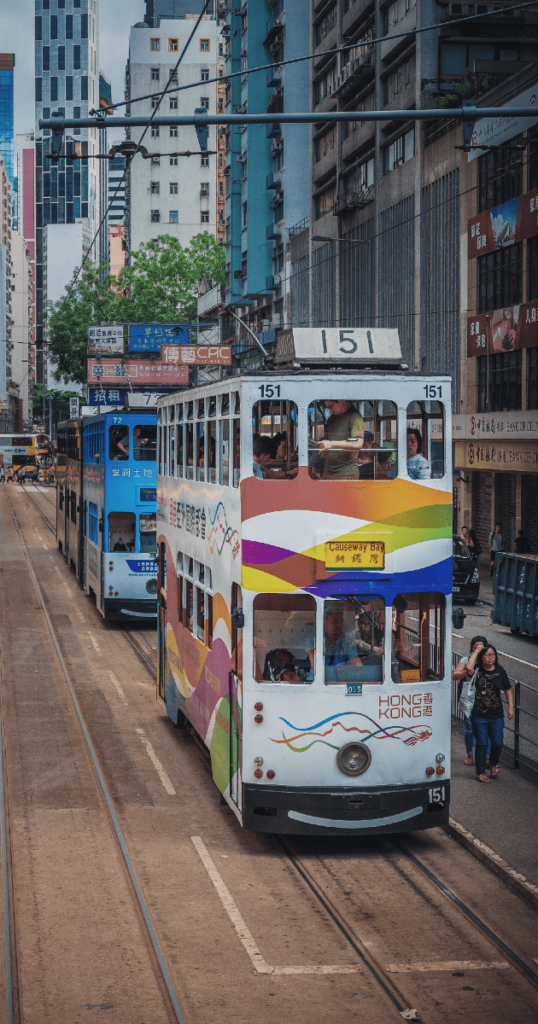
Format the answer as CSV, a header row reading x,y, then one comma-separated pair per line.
x,y
503,815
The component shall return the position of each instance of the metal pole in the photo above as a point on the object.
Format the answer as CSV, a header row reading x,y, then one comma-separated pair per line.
x,y
516,724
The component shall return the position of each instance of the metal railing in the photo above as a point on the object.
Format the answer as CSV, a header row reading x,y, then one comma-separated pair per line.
x,y
520,736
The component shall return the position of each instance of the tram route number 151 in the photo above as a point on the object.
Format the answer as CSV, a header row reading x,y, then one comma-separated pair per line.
x,y
436,795
270,390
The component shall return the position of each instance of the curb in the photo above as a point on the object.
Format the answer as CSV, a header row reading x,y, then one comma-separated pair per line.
x,y
515,881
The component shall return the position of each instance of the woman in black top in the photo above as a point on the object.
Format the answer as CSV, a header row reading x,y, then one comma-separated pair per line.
x,y
487,715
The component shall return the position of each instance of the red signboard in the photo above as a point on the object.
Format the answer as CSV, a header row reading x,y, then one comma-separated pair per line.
x,y
197,355
111,371
503,225
504,330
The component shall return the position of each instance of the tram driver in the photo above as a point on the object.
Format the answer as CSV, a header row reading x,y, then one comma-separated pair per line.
x,y
339,647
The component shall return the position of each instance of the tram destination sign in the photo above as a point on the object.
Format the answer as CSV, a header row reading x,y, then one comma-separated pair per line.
x,y
310,346
350,553
106,339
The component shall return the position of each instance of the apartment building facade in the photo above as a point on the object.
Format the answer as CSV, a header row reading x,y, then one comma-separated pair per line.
x,y
170,193
7,131
67,81
8,393
22,301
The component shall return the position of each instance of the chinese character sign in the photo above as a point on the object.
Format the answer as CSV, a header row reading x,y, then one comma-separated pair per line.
x,y
106,339
511,328
150,337
197,355
503,225
108,372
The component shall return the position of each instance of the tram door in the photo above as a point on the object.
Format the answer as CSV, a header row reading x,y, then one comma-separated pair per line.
x,y
235,695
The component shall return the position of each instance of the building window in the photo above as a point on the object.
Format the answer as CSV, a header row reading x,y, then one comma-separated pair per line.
x,y
499,382
532,136
54,26
61,58
69,87
173,103
39,28
324,202
204,76
154,45
204,161
500,175
395,12
155,131
532,378
173,188
39,90
244,208
155,216
323,85
204,102
53,89
155,188
398,80
532,269
399,151
204,46
155,102
500,278
46,58
325,143
173,161
69,26
83,26
326,24
155,75
174,216
173,131
76,58
84,88
173,45
204,216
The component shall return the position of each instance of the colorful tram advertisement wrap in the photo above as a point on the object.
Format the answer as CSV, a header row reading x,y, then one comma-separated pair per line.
x,y
304,526
106,510
26,450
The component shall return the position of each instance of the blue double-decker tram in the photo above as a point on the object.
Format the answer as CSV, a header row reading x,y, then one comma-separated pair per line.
x,y
115,514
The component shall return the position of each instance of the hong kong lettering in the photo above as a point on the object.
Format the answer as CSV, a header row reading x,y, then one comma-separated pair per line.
x,y
413,705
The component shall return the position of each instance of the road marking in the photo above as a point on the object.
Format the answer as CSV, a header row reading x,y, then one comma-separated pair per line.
x,y
94,642
448,965
165,779
247,941
119,690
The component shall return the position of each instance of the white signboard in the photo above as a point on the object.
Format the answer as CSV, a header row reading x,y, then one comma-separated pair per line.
x,y
332,345
73,408
106,339
493,131
491,426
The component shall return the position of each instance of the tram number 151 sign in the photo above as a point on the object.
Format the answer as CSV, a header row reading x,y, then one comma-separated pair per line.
x,y
347,345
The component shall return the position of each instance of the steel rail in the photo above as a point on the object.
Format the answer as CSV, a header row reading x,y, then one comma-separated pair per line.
x,y
5,884
42,514
141,652
154,942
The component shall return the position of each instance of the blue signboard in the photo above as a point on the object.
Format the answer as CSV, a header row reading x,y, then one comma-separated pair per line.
x,y
148,494
150,337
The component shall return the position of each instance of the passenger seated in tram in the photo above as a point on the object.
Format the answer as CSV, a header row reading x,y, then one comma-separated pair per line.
x,y
283,464
261,454
418,467
344,438
119,443
364,456
348,655
380,468
280,667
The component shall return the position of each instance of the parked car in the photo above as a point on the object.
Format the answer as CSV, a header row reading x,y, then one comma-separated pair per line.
x,y
465,578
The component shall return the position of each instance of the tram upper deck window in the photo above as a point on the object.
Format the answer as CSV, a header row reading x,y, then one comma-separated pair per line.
x,y
353,639
121,531
418,638
425,440
148,532
352,440
284,625
145,443
119,443
274,450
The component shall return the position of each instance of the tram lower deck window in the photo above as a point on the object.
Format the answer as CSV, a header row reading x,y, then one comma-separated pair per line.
x,y
353,639
121,531
352,439
284,626
147,526
418,637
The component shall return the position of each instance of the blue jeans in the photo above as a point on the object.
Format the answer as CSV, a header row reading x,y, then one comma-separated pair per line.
x,y
484,728
468,737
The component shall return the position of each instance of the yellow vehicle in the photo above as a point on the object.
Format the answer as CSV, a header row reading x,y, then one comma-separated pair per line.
x,y
23,450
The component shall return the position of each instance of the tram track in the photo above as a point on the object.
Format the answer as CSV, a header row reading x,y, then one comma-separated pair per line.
x,y
42,514
160,968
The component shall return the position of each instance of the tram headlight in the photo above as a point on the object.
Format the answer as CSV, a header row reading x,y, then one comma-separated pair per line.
x,y
439,758
354,758
151,586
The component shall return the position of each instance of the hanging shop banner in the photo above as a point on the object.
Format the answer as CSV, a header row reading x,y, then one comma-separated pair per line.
x,y
497,457
106,339
504,330
150,337
503,225
197,355
116,396
104,372
495,426
493,131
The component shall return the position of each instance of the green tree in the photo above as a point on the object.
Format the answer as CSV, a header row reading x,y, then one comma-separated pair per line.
x,y
159,286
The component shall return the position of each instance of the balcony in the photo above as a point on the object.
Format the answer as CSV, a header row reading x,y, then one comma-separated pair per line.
x,y
272,282
353,72
276,103
272,130
274,30
272,232
272,182
274,78
354,200
462,9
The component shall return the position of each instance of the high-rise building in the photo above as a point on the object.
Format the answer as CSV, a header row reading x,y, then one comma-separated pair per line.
x,y
156,9
116,190
105,99
25,215
21,332
8,395
67,81
7,64
171,194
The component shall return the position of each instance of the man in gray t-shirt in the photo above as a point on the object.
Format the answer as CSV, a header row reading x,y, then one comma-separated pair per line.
x,y
496,543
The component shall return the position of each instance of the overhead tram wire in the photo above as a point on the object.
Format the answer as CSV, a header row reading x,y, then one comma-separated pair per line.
x,y
316,56
137,150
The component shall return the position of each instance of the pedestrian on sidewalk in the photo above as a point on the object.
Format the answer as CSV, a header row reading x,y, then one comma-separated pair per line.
x,y
496,543
2,475
20,474
521,544
487,715
471,540
466,696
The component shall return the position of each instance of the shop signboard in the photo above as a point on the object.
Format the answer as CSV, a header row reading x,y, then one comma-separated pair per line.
x,y
105,372
197,355
106,339
116,395
493,131
504,330
496,426
150,337
503,225
497,456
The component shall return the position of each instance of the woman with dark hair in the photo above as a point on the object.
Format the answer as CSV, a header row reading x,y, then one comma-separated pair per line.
x,y
418,467
466,695
487,714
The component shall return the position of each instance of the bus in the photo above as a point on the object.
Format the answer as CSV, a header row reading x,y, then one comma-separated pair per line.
x,y
18,450
106,510
304,548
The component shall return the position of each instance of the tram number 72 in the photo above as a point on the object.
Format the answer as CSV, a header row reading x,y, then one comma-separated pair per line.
x,y
436,795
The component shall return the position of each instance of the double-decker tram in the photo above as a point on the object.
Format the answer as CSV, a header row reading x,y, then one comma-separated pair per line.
x,y
24,450
305,541
106,509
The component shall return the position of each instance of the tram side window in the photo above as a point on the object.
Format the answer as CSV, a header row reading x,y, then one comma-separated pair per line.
x,y
147,526
284,634
425,440
418,637
236,427
352,439
353,639
118,449
189,450
274,440
121,531
144,443
93,525
179,445
60,498
73,506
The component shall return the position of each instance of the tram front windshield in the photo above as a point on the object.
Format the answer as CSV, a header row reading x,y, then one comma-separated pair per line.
x,y
353,639
284,626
